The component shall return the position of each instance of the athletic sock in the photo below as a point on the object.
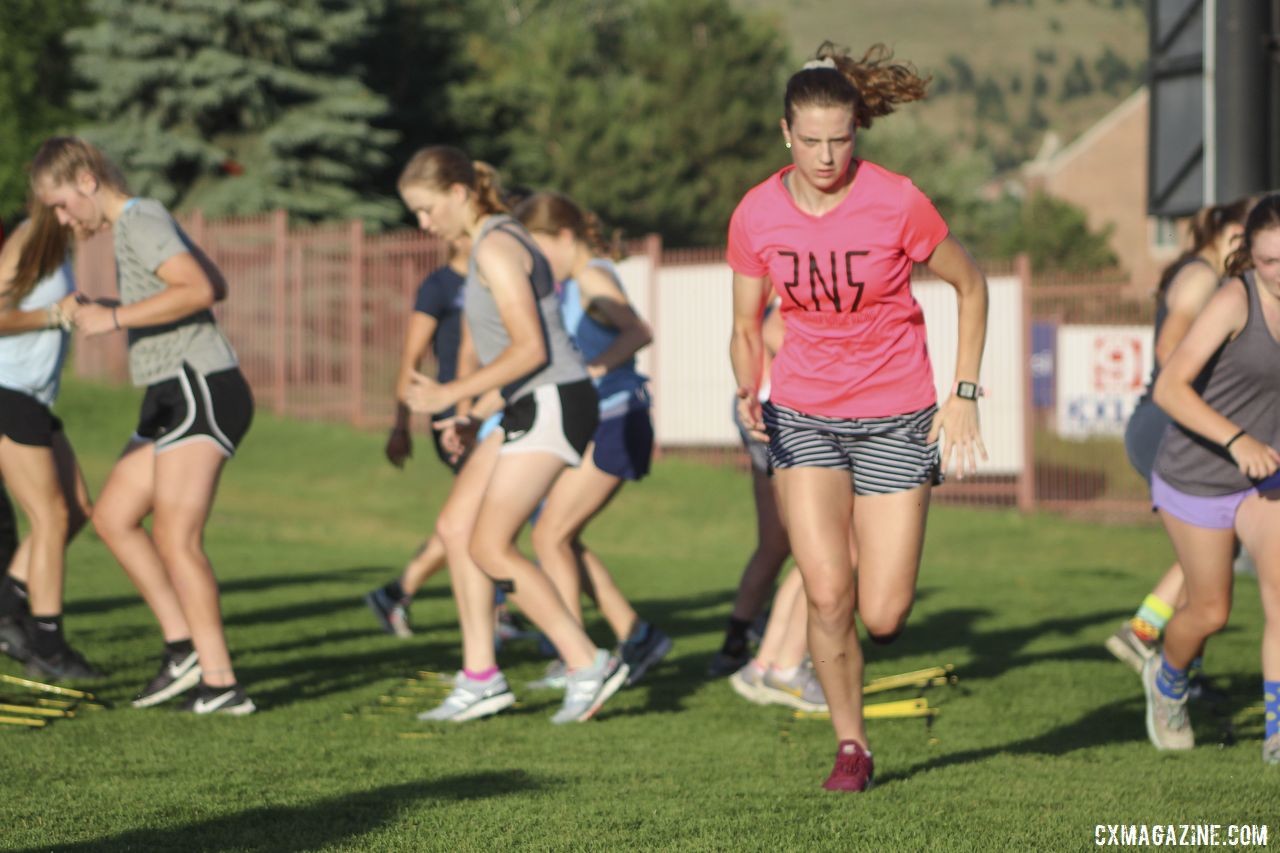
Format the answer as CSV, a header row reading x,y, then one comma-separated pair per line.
x,y
179,647
1271,705
46,635
13,597
1196,667
482,675
1171,681
395,591
1151,618
735,637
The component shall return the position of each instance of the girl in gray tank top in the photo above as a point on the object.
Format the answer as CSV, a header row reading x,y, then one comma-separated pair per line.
x,y
1185,287
526,360
1216,474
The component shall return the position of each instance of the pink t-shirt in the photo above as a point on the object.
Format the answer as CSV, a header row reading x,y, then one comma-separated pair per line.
x,y
855,341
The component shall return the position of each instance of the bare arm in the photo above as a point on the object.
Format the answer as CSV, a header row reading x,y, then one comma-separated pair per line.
x,y
605,300
1222,319
13,320
1186,296
957,419
417,337
188,290
746,348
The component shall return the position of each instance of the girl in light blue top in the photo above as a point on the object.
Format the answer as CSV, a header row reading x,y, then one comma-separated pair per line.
x,y
608,333
36,460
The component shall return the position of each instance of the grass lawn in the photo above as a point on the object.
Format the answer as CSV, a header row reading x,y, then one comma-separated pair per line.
x,y
1041,741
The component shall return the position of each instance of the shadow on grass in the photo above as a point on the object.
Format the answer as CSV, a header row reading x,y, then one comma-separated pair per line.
x,y
335,821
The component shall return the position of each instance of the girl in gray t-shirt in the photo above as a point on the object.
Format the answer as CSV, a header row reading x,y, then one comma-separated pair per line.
x,y
196,409
1217,474
514,325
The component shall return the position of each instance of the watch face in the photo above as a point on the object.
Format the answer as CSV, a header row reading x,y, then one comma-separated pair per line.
x,y
967,391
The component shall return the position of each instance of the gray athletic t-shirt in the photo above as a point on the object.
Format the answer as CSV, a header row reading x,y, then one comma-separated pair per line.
x,y
145,237
489,335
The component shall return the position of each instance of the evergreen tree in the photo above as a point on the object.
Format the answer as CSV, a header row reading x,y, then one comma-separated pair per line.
x,y
35,86
1076,82
238,106
657,114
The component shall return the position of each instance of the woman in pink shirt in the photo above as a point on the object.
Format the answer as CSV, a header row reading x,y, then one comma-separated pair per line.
x,y
853,422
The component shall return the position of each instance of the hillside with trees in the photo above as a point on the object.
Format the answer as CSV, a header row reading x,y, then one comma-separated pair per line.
x,y
657,113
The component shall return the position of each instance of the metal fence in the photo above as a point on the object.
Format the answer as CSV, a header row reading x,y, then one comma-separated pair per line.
x,y
317,315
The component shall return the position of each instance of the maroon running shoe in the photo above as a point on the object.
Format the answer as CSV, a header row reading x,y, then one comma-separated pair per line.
x,y
854,768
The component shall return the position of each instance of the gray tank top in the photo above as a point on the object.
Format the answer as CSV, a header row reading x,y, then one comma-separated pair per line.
x,y
1243,386
564,362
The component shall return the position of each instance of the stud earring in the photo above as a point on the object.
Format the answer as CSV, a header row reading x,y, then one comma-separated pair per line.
x,y
788,146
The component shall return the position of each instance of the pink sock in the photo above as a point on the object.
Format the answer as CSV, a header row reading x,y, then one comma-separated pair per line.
x,y
482,675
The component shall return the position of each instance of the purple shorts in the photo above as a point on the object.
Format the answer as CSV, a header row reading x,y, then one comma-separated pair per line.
x,y
1217,512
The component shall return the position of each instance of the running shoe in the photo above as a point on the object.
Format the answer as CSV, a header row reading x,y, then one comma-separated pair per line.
x,y
853,770
13,638
644,648
178,673
1271,750
747,682
64,665
727,664
553,678
393,614
1168,725
1129,648
801,691
587,689
230,700
472,699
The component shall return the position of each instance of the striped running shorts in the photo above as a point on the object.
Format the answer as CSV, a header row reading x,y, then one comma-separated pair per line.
x,y
882,455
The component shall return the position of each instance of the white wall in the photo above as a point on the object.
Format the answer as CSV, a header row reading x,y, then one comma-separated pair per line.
x,y
690,311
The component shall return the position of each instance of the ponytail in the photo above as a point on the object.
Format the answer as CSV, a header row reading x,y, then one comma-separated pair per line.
x,y
872,86
441,166
1206,226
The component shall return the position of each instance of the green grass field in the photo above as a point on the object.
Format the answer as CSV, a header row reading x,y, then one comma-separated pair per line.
x,y
1041,741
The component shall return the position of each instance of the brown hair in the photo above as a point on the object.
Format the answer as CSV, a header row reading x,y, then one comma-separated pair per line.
x,y
1264,216
1206,226
44,249
441,166
549,213
61,158
871,86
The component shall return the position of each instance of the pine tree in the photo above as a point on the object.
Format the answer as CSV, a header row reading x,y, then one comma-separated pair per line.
x,y
238,106
35,86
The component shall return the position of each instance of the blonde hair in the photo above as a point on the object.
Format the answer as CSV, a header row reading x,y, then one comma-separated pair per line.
x,y
872,86
44,249
61,158
441,166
